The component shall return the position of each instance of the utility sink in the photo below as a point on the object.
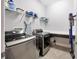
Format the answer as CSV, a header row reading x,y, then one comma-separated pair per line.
x,y
22,37
15,36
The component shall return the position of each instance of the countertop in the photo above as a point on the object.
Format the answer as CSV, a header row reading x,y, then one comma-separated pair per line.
x,y
57,32
11,43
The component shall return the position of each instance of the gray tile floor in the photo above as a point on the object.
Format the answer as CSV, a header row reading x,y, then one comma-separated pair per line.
x,y
54,53
60,50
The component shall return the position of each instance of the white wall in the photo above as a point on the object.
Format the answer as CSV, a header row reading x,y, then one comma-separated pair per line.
x,y
13,20
33,5
57,13
58,16
2,30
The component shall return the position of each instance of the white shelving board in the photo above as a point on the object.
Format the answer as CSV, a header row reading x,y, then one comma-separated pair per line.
x,y
13,12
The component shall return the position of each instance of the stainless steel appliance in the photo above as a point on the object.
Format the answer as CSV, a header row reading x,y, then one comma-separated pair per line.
x,y
23,50
42,41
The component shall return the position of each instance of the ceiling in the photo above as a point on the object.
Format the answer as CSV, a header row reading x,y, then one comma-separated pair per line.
x,y
47,2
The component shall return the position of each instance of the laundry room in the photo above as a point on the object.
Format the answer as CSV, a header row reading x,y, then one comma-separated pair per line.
x,y
39,29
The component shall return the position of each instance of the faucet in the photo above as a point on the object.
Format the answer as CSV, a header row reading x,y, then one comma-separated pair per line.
x,y
25,27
